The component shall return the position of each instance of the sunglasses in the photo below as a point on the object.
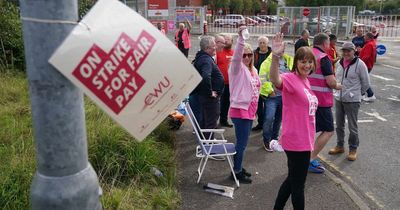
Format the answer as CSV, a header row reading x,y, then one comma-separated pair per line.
x,y
250,55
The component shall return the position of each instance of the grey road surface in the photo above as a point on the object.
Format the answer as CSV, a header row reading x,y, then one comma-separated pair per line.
x,y
374,176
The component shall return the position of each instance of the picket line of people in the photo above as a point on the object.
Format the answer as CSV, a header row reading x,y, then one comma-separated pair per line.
x,y
293,93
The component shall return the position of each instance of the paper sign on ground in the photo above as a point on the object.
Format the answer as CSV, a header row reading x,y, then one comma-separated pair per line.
x,y
126,66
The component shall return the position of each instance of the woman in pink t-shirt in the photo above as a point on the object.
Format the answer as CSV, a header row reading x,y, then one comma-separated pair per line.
x,y
298,120
244,92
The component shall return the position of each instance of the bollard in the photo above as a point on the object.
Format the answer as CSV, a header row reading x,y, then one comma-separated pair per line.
x,y
64,178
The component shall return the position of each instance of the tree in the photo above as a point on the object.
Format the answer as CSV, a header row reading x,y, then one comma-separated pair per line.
x,y
256,6
272,7
248,6
316,3
236,6
11,42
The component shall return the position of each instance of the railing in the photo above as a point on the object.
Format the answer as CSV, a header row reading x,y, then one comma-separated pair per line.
x,y
387,25
256,26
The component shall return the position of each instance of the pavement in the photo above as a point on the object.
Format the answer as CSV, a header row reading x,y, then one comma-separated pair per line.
x,y
370,182
322,191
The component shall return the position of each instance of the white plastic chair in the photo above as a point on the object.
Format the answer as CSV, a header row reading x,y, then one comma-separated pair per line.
x,y
207,148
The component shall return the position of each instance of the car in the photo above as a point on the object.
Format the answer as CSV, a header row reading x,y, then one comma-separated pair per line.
x,y
230,20
366,12
379,17
267,18
259,20
250,21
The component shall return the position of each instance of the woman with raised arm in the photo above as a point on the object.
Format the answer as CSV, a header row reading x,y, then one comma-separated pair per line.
x,y
298,120
244,93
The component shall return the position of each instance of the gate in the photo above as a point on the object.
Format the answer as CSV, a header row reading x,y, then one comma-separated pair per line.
x,y
196,16
337,19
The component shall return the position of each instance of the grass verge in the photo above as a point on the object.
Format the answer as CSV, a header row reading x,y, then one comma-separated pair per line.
x,y
122,165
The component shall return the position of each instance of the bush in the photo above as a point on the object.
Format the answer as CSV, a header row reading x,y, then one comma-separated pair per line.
x,y
11,42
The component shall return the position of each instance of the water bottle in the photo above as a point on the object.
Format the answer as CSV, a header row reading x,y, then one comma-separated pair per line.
x,y
245,34
156,172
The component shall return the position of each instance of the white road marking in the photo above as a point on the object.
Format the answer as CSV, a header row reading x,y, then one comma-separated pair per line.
x,y
394,98
365,121
359,121
376,115
389,66
380,77
393,86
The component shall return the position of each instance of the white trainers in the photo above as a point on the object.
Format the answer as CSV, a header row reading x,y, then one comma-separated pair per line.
x,y
275,146
370,99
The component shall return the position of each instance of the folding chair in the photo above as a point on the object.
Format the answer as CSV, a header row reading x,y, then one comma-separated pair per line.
x,y
207,148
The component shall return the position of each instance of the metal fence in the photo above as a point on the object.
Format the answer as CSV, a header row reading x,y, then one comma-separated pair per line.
x,y
387,25
257,25
290,21
337,19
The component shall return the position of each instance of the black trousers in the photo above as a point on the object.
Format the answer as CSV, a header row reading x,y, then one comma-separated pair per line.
x,y
185,51
294,184
209,108
225,103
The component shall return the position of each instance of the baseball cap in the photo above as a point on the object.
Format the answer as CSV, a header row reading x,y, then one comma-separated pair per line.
x,y
348,46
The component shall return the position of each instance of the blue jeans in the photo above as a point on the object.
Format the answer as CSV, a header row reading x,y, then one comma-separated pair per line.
x,y
242,132
272,118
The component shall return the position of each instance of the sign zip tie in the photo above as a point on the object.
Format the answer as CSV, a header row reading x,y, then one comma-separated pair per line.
x,y
37,20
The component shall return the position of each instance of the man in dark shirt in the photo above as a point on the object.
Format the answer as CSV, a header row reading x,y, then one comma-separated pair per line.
x,y
303,41
209,90
260,54
358,40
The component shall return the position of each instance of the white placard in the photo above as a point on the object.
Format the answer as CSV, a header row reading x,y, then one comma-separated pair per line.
x,y
126,66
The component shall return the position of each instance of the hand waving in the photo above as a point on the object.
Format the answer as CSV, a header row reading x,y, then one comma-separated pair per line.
x,y
241,28
278,46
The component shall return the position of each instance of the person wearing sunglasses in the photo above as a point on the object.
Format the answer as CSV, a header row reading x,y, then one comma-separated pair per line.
x,y
244,93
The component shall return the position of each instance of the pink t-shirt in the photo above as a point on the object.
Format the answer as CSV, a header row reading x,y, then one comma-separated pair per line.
x,y
346,63
298,117
250,113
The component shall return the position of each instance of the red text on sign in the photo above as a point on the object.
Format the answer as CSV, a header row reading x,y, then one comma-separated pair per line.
x,y
113,77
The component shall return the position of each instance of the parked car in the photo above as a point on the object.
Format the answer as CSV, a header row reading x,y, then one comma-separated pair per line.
x,y
230,20
250,21
366,12
259,20
267,18
379,17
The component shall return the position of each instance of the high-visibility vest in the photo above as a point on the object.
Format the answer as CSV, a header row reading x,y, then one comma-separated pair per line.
x,y
318,82
185,38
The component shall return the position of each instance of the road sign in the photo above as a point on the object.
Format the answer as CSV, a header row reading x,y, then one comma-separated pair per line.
x,y
135,74
306,12
380,49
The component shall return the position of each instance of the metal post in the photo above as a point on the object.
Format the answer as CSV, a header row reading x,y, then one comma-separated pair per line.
x,y
64,178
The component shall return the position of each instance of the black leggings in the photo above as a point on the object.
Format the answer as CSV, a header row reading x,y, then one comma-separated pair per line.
x,y
294,184
185,51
